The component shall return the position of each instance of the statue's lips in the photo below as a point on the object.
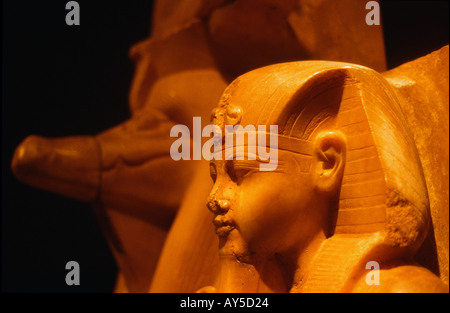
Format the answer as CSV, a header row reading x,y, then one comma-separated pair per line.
x,y
223,224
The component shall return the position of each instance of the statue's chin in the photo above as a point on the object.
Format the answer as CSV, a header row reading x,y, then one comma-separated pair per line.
x,y
224,231
231,244
226,242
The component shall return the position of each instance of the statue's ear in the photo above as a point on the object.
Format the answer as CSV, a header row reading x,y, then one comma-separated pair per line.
x,y
328,164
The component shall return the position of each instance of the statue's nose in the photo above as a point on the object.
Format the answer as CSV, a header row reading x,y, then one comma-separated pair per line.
x,y
218,206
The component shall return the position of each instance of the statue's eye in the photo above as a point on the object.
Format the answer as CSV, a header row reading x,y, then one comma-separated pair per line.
x,y
242,172
242,169
213,172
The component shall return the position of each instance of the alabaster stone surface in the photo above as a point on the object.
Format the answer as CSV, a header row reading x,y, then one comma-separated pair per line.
x,y
422,89
138,192
349,188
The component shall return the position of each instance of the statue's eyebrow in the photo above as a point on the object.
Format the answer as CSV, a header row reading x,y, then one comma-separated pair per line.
x,y
252,165
248,164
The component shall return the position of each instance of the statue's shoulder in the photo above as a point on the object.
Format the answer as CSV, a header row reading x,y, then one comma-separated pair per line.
x,y
404,278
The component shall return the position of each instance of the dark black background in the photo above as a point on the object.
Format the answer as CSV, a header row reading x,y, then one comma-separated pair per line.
x,y
59,81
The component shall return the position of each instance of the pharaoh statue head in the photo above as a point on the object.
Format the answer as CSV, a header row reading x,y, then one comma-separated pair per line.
x,y
348,188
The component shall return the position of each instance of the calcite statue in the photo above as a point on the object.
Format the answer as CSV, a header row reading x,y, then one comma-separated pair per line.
x,y
350,188
150,207
369,159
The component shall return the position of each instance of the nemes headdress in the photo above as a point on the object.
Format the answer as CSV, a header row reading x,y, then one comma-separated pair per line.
x,y
383,195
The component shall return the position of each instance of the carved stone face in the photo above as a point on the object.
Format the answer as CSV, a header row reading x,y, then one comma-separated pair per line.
x,y
282,209
271,210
